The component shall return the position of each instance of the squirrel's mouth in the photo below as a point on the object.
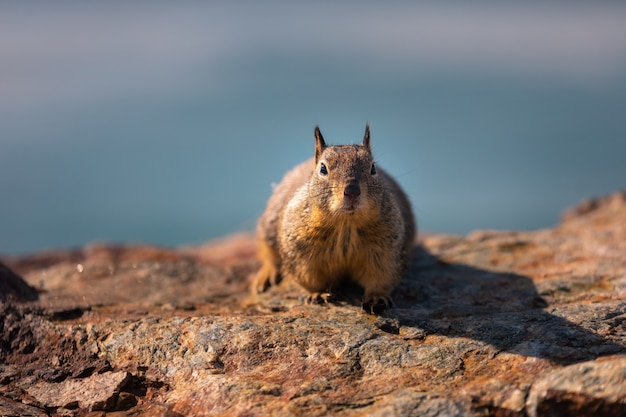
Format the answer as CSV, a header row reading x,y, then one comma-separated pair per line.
x,y
350,206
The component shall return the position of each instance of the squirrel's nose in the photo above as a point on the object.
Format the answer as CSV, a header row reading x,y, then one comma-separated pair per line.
x,y
352,190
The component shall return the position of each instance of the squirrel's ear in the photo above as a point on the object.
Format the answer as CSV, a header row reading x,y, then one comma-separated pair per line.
x,y
320,145
366,136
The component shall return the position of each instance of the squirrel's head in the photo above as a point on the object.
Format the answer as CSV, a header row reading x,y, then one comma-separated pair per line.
x,y
345,180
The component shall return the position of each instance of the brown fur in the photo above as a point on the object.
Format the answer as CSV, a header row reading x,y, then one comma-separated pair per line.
x,y
348,221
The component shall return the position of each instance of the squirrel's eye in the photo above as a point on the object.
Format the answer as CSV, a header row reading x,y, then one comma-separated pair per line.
x,y
373,171
323,169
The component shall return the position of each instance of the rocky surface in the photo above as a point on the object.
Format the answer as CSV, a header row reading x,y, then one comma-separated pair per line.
x,y
491,324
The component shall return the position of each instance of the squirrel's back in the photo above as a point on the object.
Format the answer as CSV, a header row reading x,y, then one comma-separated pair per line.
x,y
333,217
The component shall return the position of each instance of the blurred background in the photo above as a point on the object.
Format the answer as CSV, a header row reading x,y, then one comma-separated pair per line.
x,y
167,122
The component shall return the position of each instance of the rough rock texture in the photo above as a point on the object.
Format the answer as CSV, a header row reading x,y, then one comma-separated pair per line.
x,y
589,388
95,392
491,324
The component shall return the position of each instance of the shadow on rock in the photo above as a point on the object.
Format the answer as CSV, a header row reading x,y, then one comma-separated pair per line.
x,y
14,288
501,309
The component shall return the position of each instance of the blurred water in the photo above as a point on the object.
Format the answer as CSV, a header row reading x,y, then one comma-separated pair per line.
x,y
167,122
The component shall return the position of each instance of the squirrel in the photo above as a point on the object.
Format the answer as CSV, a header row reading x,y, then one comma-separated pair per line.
x,y
336,216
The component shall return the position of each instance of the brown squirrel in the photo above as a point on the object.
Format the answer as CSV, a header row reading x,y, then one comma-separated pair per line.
x,y
334,217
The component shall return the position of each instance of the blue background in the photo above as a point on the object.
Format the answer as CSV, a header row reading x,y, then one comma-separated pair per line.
x,y
167,123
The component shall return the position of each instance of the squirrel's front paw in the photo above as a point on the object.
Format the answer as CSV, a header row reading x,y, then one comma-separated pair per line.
x,y
265,278
376,304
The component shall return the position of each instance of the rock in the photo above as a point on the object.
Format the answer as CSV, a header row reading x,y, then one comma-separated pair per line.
x,y
13,287
135,276
418,404
9,408
496,323
97,392
593,388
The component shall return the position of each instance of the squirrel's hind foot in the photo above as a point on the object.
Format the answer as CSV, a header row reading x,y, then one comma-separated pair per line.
x,y
376,304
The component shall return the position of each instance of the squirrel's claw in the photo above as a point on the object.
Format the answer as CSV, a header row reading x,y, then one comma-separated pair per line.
x,y
318,298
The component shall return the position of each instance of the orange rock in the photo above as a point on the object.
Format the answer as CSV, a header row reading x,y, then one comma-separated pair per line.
x,y
480,324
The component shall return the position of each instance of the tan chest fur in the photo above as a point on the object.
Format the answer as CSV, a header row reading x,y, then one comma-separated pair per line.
x,y
340,250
